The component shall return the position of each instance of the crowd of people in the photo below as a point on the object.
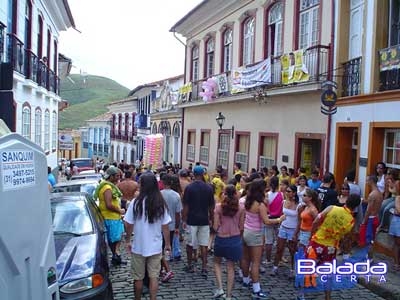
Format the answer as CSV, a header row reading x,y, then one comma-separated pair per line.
x,y
245,219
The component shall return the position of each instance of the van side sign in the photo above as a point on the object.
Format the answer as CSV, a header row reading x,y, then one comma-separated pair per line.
x,y
17,169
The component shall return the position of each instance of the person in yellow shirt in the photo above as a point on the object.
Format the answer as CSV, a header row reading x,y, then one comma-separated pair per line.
x,y
109,197
284,174
329,227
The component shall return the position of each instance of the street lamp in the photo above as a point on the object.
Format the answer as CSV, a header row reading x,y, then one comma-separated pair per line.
x,y
220,119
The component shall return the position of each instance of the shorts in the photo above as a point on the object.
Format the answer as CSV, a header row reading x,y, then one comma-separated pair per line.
x,y
140,263
304,237
197,235
367,231
230,248
115,228
252,238
321,253
286,233
394,228
271,232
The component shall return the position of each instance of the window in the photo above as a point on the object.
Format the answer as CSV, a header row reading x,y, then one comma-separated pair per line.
x,y
210,47
242,150
46,130
26,122
248,41
227,59
356,29
309,22
392,148
40,38
191,143
204,147
274,30
267,156
195,63
54,131
394,22
223,149
38,126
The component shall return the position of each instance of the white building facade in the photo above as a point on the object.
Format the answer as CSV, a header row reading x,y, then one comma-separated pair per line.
x,y
96,142
267,60
29,33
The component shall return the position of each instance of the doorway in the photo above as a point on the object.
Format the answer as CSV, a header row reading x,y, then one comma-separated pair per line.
x,y
309,152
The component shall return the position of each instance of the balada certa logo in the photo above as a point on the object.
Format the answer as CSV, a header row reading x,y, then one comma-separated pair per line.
x,y
336,271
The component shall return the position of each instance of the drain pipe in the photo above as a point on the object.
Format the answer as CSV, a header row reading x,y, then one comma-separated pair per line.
x,y
183,109
330,76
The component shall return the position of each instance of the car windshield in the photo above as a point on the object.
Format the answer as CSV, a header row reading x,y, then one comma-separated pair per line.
x,y
85,188
71,217
82,163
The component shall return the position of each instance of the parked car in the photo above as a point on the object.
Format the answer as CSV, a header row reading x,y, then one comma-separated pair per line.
x,y
81,249
78,185
83,164
84,175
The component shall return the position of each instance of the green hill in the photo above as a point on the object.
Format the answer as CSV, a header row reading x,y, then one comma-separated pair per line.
x,y
87,97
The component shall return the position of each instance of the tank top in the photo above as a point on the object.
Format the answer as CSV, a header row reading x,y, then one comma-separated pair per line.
x,y
275,204
253,221
291,218
306,220
108,214
381,184
337,223
229,226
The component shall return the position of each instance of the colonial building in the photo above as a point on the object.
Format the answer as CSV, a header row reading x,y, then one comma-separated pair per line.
x,y
260,64
166,119
30,66
96,142
366,127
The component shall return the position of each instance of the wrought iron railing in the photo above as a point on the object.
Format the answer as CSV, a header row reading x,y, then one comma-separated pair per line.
x,y
31,65
389,68
316,61
2,40
16,53
351,84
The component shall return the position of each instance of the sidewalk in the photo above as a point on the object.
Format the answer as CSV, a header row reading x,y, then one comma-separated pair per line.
x,y
389,289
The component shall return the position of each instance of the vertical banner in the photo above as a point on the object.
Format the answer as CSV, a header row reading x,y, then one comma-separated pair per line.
x,y
293,67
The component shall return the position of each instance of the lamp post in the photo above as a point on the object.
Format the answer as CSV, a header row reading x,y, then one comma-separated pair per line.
x,y
220,119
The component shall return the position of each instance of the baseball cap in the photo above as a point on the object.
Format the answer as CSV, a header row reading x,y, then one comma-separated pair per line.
x,y
183,173
111,171
198,170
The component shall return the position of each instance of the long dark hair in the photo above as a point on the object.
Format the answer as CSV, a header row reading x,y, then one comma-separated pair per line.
x,y
155,204
314,198
230,203
256,192
293,188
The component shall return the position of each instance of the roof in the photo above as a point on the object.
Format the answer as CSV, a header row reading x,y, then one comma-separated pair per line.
x,y
188,15
68,10
104,117
154,84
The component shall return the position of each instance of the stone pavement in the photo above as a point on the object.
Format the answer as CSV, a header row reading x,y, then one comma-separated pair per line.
x,y
194,286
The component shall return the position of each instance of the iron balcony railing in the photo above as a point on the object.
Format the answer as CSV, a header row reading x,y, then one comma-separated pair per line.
x,y
25,62
2,40
316,60
351,83
389,68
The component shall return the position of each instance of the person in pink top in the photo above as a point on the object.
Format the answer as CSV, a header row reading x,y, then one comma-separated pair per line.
x,y
228,225
256,216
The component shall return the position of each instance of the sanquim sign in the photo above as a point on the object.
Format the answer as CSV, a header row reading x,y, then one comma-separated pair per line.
x,y
337,271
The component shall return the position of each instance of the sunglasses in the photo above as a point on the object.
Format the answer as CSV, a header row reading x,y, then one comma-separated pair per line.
x,y
344,189
289,191
306,195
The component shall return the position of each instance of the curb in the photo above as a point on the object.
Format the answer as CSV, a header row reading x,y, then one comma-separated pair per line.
x,y
382,290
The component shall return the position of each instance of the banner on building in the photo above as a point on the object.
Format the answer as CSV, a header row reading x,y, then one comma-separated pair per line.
x,y
184,92
65,142
249,77
293,68
389,58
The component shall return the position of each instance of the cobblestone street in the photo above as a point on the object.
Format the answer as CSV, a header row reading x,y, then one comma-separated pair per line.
x,y
194,286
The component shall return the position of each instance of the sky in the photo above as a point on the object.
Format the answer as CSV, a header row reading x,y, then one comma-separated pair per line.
x,y
126,40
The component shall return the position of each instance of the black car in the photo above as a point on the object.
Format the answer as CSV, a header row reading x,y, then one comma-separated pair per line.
x,y
81,249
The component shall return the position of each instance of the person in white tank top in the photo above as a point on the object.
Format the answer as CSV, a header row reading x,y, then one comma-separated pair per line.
x,y
287,229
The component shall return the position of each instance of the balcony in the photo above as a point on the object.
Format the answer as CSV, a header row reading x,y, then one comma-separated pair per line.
x,y
2,33
389,68
351,84
25,62
315,60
